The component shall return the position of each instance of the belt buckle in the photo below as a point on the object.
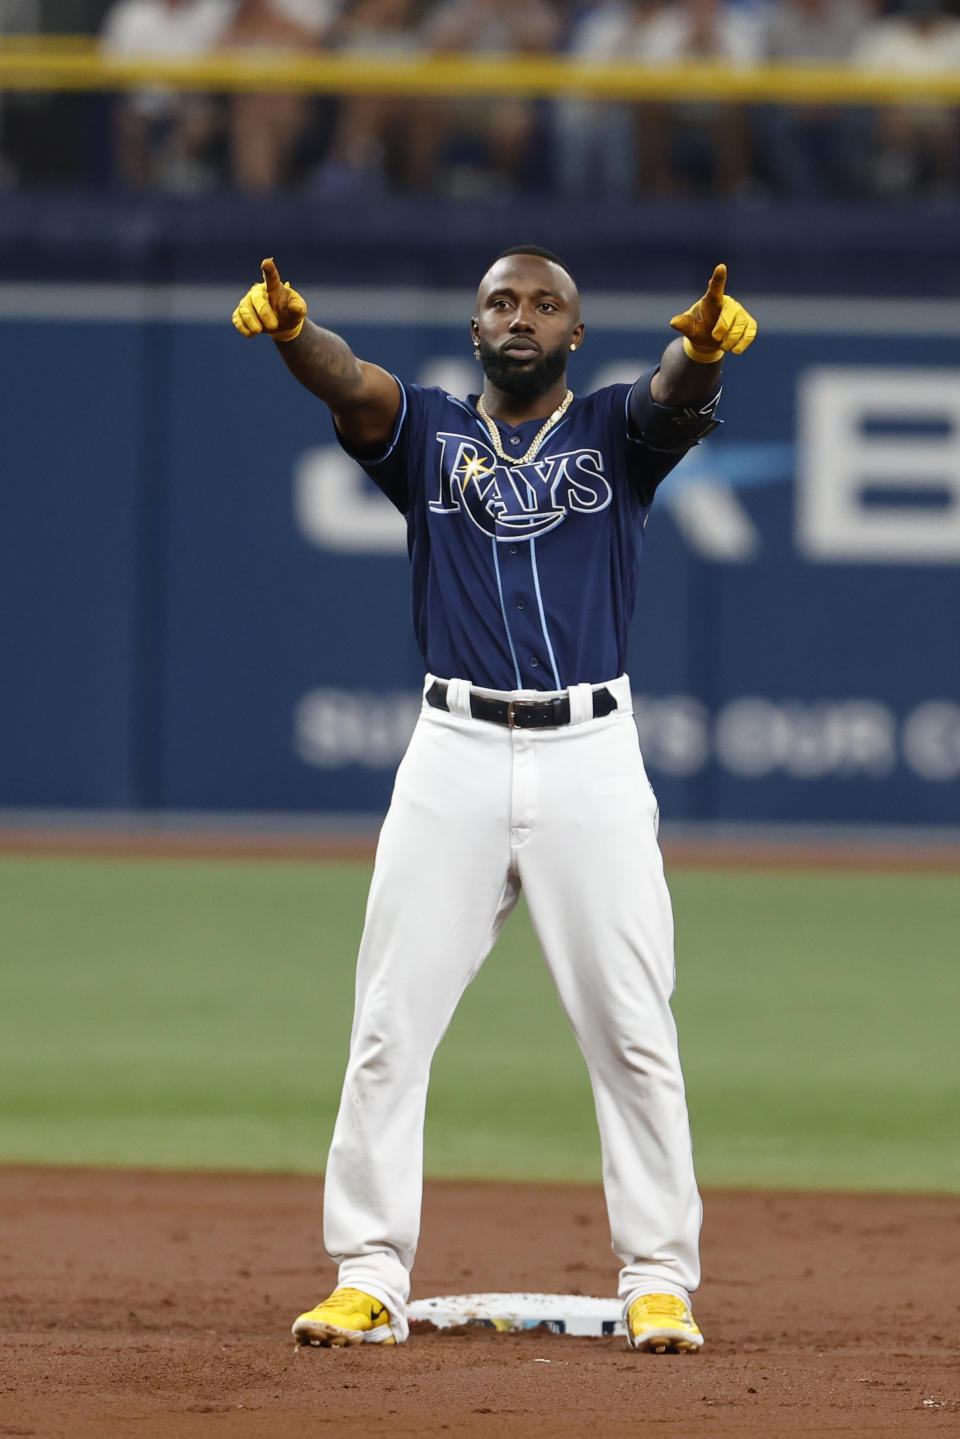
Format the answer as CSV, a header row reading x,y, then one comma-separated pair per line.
x,y
511,714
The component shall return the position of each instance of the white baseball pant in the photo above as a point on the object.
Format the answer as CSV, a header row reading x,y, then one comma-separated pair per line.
x,y
479,811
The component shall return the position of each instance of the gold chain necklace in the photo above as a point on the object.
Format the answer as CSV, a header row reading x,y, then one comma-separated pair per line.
x,y
538,439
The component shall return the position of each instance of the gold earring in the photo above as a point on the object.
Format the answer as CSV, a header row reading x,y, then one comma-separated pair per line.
x,y
476,352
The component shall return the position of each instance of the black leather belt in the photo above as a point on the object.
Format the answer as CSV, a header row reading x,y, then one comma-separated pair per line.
x,y
522,714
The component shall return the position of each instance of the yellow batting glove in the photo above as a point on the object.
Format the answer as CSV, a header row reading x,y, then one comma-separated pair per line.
x,y
716,325
271,307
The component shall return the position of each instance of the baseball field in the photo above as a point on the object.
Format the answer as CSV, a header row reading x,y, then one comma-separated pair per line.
x,y
172,1037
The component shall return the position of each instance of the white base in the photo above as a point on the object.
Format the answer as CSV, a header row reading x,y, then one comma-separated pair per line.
x,y
560,1313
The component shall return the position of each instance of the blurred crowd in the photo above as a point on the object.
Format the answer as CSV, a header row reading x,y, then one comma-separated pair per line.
x,y
358,145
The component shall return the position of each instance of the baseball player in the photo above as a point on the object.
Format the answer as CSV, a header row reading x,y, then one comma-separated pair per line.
x,y
525,509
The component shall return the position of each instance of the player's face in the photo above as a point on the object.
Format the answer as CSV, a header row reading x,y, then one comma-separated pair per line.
x,y
528,317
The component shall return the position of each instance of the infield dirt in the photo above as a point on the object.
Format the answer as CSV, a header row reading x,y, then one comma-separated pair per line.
x,y
159,1304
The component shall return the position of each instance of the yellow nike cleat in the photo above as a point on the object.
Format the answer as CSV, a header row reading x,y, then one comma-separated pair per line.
x,y
662,1324
348,1317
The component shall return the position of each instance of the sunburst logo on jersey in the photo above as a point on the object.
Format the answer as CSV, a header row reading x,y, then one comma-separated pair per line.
x,y
476,469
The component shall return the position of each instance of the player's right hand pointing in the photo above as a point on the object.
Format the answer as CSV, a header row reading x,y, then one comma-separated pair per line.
x,y
271,307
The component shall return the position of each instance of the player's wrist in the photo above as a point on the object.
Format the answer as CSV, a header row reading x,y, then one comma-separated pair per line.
x,y
698,355
289,334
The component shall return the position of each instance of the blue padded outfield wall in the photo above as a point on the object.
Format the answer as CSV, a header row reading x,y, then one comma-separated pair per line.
x,y
205,604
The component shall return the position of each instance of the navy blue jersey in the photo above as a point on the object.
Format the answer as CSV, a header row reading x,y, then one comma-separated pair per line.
x,y
524,576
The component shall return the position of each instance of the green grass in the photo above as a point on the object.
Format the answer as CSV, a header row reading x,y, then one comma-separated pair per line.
x,y
196,1014
819,1026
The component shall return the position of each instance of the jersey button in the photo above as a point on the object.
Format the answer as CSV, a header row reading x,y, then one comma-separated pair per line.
x,y
534,662
514,439
514,549
521,604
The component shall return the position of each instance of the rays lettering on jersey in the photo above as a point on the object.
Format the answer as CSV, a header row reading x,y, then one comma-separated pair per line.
x,y
517,501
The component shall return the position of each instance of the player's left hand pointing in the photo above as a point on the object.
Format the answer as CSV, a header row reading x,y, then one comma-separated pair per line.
x,y
716,325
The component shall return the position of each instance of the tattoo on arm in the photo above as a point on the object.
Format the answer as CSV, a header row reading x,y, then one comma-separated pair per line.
x,y
324,364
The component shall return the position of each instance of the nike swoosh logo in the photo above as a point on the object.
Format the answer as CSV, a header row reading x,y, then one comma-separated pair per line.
x,y
376,1313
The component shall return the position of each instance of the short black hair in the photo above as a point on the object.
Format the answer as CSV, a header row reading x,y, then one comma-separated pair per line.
x,y
539,251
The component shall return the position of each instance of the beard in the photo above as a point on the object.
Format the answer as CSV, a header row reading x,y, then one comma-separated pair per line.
x,y
522,380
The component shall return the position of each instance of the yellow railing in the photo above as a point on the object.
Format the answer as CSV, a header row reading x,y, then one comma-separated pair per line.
x,y
76,63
